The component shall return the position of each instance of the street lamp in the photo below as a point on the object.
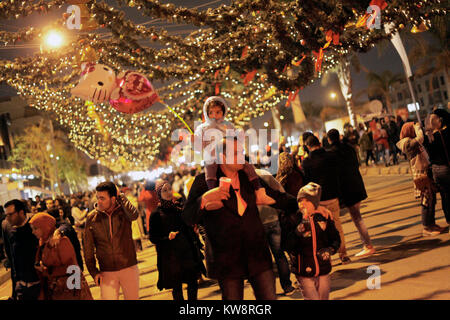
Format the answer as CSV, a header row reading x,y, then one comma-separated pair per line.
x,y
333,95
53,40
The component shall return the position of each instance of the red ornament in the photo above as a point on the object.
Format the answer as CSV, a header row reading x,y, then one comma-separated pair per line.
x,y
134,93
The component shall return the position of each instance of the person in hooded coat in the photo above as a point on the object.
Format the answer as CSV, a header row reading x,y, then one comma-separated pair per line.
x,y
411,144
179,259
54,258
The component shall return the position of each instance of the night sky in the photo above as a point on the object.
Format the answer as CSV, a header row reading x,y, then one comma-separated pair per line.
x,y
373,60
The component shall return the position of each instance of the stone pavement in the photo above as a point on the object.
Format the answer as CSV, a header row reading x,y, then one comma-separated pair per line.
x,y
411,266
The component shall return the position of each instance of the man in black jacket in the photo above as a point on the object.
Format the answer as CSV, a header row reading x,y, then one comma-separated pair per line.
x,y
20,246
321,167
234,229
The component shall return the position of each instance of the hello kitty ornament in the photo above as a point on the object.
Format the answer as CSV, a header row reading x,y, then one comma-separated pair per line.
x,y
96,84
133,94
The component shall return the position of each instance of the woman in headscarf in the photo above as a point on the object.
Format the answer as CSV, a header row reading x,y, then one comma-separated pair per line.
x,y
179,259
437,144
289,175
56,262
411,140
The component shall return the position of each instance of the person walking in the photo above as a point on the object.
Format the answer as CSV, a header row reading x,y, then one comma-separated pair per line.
x,y
352,188
437,144
411,140
55,261
321,167
179,259
367,146
231,220
108,240
20,247
380,137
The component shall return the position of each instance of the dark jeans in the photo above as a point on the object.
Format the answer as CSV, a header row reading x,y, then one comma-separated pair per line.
x,y
441,176
192,290
393,151
263,286
369,154
273,234
428,211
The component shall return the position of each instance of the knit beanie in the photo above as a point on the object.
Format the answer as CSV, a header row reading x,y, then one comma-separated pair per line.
x,y
311,192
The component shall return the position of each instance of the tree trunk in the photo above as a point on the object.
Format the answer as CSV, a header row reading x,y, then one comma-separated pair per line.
x,y
388,104
276,119
345,82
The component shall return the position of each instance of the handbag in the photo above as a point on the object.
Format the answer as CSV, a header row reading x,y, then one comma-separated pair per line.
x,y
422,182
58,289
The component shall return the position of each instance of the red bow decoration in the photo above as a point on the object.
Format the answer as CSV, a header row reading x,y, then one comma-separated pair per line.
x,y
381,3
300,61
244,52
249,76
291,97
331,36
319,57
217,88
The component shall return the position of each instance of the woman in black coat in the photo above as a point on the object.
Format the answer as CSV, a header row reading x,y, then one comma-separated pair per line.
x,y
179,259
351,187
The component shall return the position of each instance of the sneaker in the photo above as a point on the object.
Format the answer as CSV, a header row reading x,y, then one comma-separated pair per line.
x,y
430,231
289,291
367,251
345,260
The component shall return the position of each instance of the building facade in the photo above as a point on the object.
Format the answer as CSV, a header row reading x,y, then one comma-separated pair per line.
x,y
431,90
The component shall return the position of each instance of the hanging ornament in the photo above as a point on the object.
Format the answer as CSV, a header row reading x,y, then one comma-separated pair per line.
x,y
133,94
421,28
96,84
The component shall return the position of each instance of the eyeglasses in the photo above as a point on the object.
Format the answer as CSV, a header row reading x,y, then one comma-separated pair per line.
x,y
10,214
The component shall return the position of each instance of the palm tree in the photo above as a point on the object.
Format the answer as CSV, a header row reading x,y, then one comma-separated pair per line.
x,y
379,84
438,53
345,81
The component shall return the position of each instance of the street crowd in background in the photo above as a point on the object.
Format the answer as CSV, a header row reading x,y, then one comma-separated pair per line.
x,y
203,229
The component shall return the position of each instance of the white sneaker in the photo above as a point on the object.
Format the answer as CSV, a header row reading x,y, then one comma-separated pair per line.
x,y
365,252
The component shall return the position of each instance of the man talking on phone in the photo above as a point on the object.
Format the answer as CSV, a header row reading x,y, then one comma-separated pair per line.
x,y
108,240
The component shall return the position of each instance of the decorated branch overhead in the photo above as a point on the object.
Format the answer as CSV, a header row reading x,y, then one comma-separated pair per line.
x,y
254,53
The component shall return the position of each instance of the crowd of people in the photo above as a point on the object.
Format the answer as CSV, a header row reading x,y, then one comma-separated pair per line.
x,y
228,222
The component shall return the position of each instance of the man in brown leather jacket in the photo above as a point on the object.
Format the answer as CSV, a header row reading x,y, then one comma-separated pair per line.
x,y
108,240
